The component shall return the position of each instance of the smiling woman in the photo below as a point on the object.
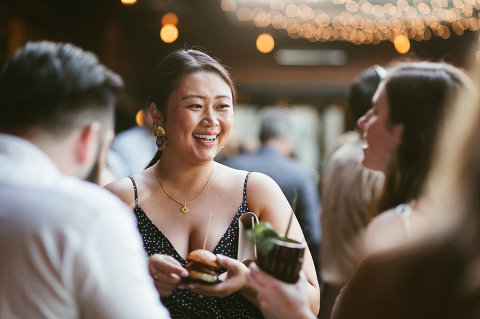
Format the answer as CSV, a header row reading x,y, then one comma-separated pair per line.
x,y
191,102
402,127
400,133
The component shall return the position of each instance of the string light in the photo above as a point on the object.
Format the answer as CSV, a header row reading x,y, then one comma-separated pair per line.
x,y
361,21
402,44
265,43
169,18
169,33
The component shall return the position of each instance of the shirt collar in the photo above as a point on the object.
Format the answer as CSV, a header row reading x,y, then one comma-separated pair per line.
x,y
21,152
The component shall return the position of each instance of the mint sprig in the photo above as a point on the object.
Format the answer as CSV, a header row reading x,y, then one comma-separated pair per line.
x,y
265,237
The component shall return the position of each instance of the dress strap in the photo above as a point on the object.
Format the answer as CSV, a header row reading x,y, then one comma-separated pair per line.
x,y
245,188
135,190
404,211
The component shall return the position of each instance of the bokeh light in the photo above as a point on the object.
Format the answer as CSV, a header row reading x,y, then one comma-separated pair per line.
x,y
361,21
128,2
139,117
265,43
228,5
169,33
402,44
169,18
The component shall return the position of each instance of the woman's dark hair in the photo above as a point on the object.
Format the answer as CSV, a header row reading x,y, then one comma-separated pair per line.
x,y
418,94
361,93
172,70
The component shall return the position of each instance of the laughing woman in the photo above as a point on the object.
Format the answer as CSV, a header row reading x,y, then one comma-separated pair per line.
x,y
401,130
191,101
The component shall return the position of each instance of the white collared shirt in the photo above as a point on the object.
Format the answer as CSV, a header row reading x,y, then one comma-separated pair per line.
x,y
68,248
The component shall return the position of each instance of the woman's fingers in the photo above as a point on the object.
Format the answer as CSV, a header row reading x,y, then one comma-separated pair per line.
x,y
166,264
257,277
166,272
233,280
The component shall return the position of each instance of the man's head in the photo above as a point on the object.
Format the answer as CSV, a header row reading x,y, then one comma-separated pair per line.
x,y
57,94
276,129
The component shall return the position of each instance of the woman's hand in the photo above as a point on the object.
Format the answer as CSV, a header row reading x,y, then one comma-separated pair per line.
x,y
234,279
166,272
277,299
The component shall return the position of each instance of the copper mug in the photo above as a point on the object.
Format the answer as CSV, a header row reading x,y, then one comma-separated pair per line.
x,y
284,261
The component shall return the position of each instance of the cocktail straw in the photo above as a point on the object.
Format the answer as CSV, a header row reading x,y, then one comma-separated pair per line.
x,y
294,206
208,228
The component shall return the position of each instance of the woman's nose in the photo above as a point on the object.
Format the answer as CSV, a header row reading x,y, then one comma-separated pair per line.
x,y
210,118
363,120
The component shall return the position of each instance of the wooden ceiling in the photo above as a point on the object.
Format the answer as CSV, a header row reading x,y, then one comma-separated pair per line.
x,y
126,38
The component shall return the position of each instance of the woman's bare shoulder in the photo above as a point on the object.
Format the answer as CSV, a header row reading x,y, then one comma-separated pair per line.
x,y
263,193
385,231
123,188
256,181
261,182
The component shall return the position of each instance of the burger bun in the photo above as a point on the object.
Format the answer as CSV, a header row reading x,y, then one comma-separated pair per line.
x,y
203,256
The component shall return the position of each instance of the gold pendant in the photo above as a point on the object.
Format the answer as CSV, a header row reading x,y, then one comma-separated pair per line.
x,y
185,209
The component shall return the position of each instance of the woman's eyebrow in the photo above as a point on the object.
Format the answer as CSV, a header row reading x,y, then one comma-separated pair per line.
x,y
190,96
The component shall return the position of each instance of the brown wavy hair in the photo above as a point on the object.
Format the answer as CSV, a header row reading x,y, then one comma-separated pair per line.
x,y
418,94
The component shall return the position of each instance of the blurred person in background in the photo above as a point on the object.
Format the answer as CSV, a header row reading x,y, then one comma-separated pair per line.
x,y
191,101
69,248
274,159
347,193
132,150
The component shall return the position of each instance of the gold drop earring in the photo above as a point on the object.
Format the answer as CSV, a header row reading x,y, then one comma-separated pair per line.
x,y
161,137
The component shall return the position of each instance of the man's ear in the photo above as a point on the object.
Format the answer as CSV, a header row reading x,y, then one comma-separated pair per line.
x,y
157,116
86,146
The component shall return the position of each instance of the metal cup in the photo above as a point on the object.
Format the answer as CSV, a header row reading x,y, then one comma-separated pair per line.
x,y
284,261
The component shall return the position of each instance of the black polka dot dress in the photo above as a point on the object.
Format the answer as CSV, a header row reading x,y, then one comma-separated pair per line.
x,y
184,304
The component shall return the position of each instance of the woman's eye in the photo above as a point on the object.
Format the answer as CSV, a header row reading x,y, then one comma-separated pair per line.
x,y
196,106
223,106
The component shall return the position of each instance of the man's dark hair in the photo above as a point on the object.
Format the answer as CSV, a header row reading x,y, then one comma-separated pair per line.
x,y
47,85
275,124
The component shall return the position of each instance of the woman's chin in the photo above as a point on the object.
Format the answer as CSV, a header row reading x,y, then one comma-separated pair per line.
x,y
368,163
206,156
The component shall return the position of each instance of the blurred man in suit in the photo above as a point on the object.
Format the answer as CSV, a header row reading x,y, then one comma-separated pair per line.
x,y
273,159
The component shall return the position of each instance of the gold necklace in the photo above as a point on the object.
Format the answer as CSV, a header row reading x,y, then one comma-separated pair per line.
x,y
185,209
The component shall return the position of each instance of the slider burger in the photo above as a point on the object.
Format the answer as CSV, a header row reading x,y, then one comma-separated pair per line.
x,y
201,265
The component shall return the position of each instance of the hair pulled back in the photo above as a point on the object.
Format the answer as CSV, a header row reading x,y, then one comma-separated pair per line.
x,y
170,72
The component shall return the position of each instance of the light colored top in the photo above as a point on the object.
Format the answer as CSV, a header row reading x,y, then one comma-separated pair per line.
x,y
69,249
396,226
131,151
347,191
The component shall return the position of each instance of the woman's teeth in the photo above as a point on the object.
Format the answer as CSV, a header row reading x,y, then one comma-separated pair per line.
x,y
206,138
